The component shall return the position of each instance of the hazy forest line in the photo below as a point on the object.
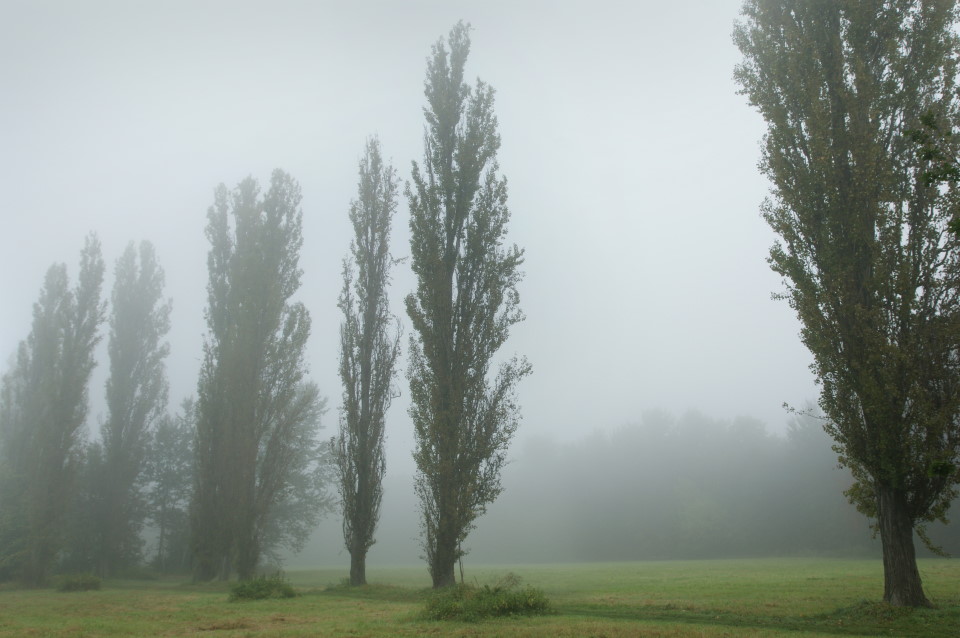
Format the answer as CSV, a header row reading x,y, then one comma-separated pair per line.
x,y
665,487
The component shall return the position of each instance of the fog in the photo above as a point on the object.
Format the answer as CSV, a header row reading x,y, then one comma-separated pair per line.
x,y
631,163
663,487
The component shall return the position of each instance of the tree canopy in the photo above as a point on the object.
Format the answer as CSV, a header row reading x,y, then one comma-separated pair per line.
x,y
257,415
464,305
43,407
863,248
368,352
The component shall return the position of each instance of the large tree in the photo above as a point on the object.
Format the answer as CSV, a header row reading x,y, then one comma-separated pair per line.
x,y
44,407
863,249
465,303
368,352
255,410
136,399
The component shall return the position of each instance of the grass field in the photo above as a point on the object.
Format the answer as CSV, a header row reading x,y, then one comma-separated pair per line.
x,y
780,597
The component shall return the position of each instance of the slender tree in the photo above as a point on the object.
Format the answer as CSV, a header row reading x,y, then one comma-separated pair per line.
x,y
254,407
465,303
169,468
863,248
367,355
42,416
136,399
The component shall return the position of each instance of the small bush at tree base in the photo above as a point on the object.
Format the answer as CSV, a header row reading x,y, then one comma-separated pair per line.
x,y
78,582
471,603
262,587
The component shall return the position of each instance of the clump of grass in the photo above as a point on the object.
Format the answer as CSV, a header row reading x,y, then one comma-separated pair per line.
x,y
78,582
471,603
262,587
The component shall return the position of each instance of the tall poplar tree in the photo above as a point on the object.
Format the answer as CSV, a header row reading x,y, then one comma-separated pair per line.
x,y
256,414
465,303
863,245
368,353
136,399
44,407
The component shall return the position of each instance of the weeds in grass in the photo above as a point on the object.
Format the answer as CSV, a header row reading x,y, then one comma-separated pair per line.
x,y
471,603
262,587
78,582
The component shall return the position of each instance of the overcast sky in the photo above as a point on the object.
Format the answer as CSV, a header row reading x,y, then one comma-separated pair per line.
x,y
631,163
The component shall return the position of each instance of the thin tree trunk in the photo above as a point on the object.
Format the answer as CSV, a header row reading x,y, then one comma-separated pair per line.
x,y
901,578
160,542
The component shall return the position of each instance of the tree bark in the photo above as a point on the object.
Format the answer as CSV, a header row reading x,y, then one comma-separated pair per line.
x,y
444,560
443,574
358,568
901,578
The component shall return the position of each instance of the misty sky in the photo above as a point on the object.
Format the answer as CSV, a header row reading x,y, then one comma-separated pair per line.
x,y
630,158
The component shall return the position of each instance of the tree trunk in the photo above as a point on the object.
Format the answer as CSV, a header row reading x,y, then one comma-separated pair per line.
x,y
163,520
204,556
443,574
358,567
901,579
444,562
38,560
248,555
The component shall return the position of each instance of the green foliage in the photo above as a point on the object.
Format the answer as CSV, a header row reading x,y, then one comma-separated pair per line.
x,y
368,352
936,146
169,470
257,415
136,394
466,301
471,603
262,587
43,406
849,91
78,582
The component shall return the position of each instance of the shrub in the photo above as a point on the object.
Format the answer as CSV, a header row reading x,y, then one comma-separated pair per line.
x,y
78,582
471,603
262,587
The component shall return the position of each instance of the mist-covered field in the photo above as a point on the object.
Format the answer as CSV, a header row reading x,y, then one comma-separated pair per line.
x,y
770,597
665,487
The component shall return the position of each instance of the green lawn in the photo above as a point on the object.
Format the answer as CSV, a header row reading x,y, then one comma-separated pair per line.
x,y
779,597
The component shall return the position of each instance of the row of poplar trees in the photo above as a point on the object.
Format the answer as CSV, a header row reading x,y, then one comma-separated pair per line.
x,y
43,408
248,445
240,472
462,310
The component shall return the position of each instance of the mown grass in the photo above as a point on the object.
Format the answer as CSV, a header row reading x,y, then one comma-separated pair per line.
x,y
787,597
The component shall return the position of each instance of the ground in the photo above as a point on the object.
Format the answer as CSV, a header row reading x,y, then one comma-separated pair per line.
x,y
763,597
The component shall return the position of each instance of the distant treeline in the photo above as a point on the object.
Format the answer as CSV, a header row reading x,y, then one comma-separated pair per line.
x,y
680,488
